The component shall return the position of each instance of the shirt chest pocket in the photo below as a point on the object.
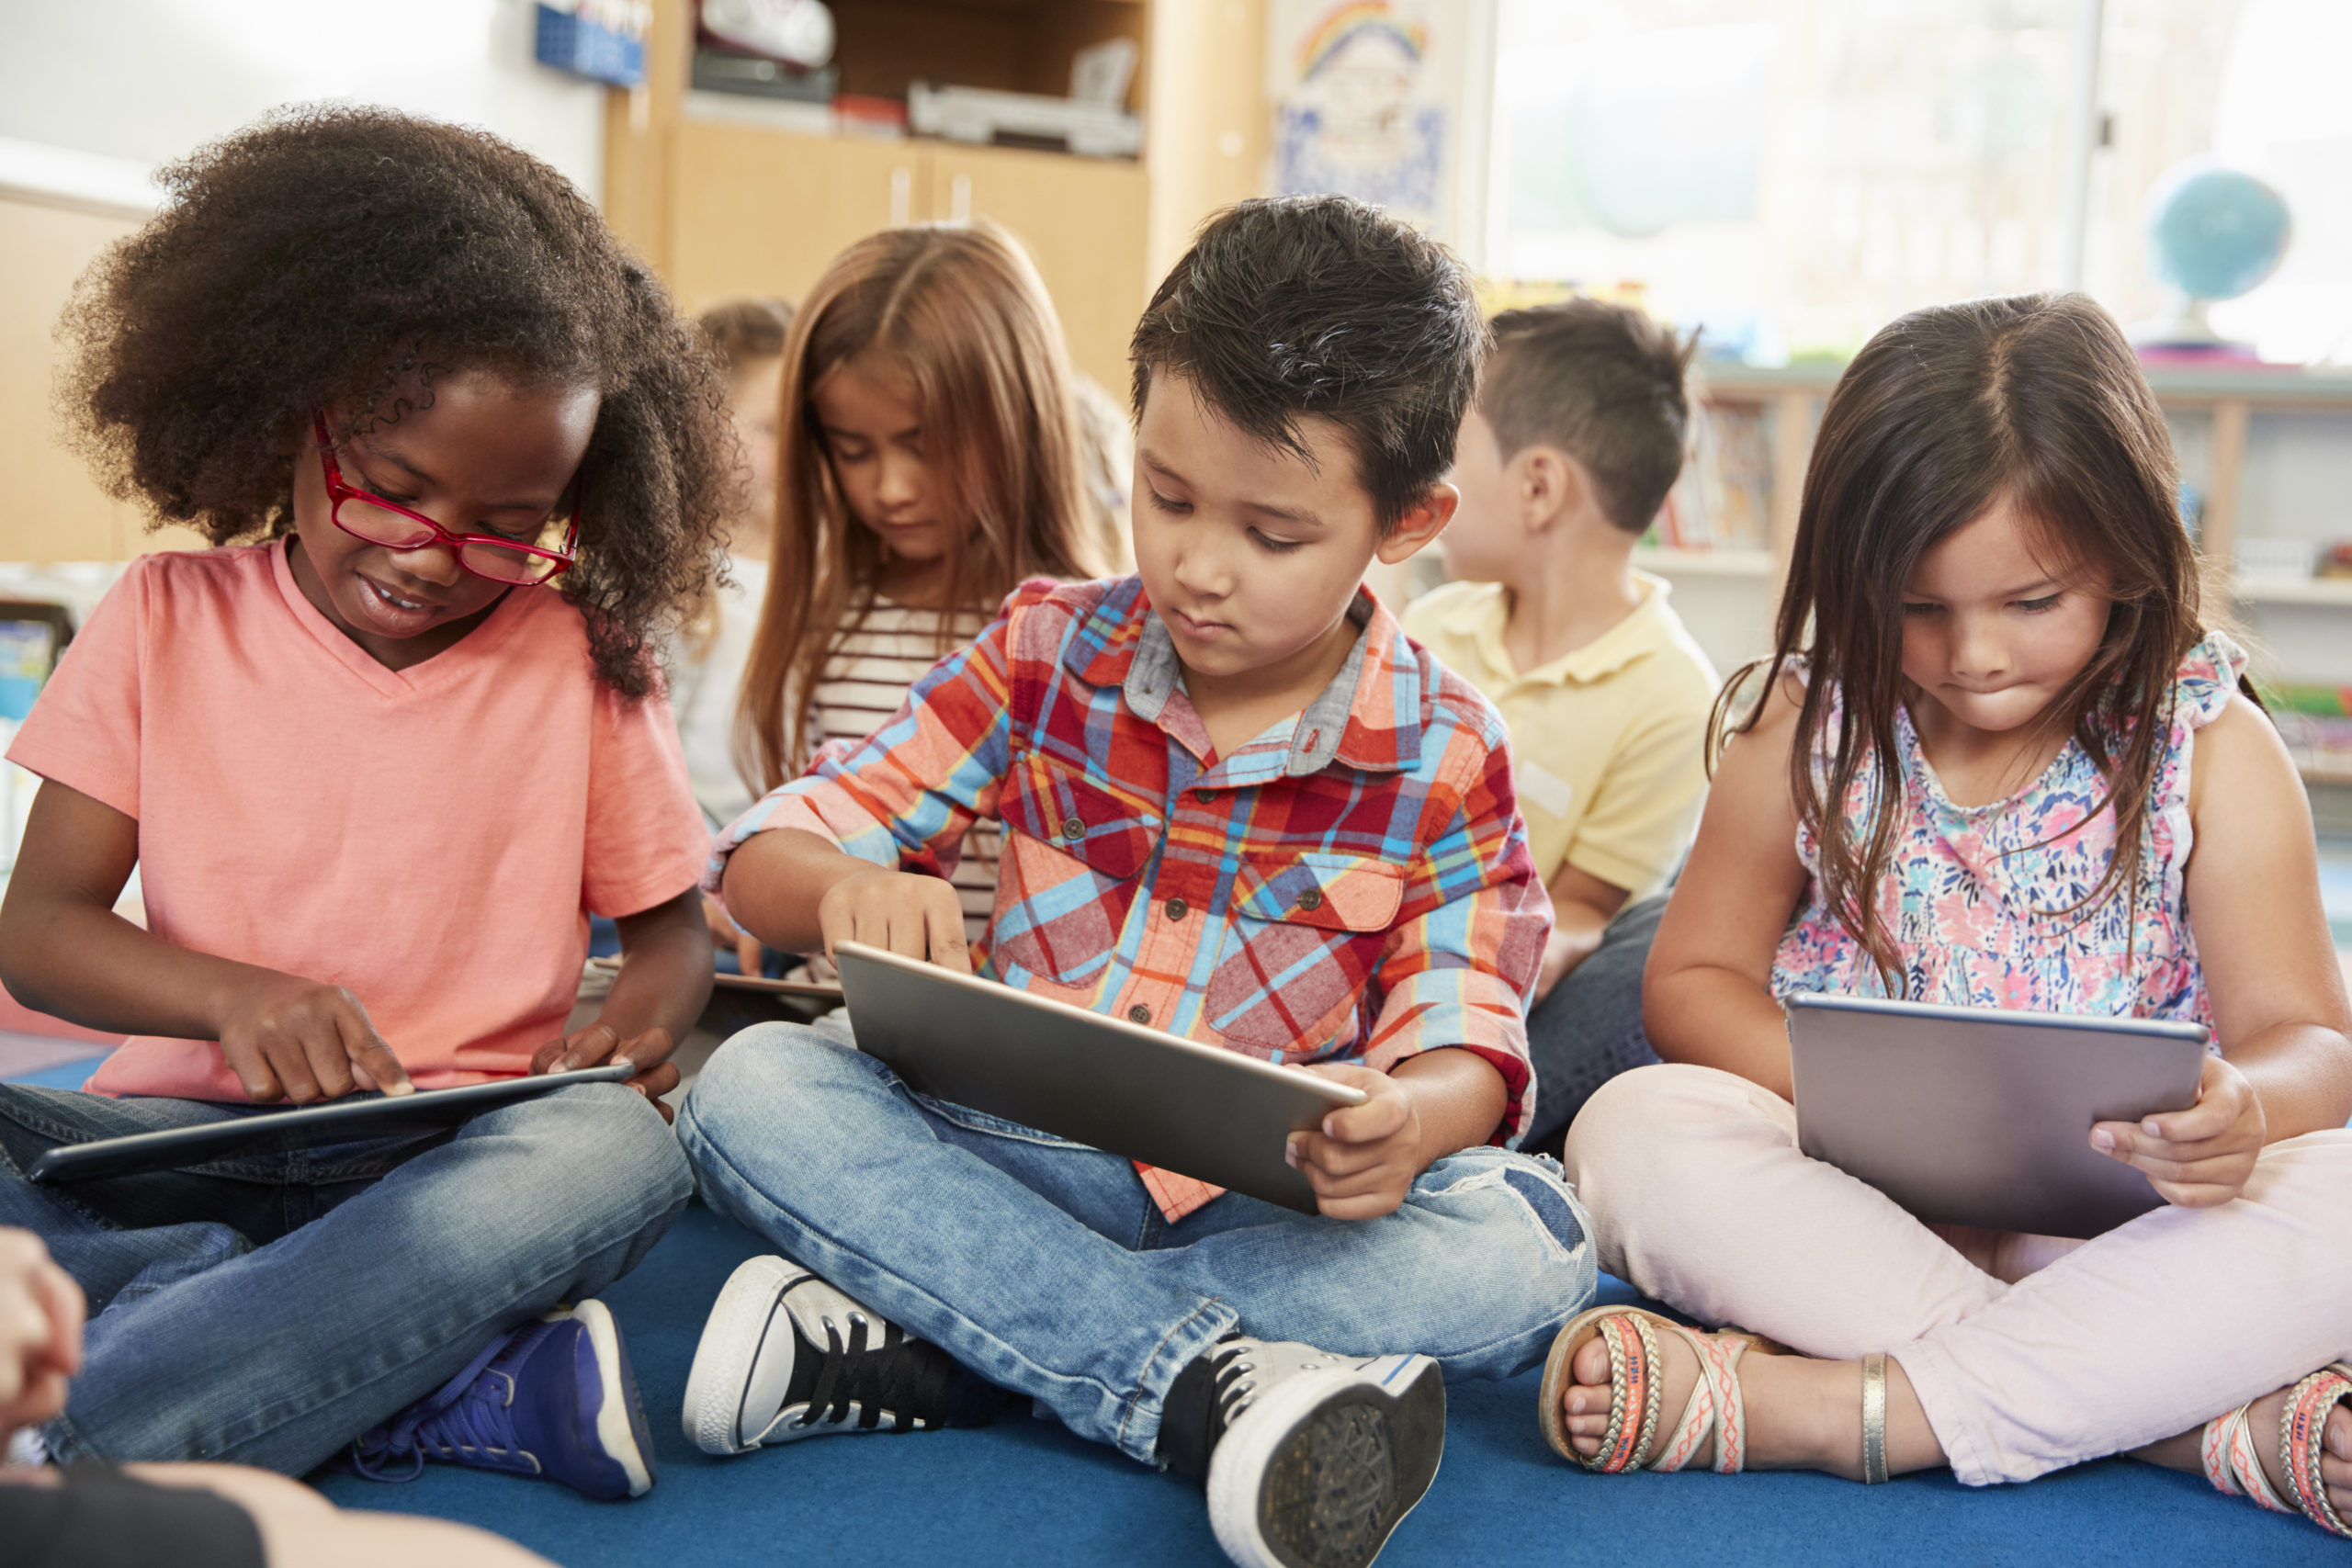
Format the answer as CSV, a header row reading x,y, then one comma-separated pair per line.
x,y
1074,848
1307,933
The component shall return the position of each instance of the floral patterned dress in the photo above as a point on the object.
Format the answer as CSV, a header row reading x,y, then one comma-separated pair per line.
x,y
1983,900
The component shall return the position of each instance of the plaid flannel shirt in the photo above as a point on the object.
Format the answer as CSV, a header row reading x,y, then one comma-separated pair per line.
x,y
1354,887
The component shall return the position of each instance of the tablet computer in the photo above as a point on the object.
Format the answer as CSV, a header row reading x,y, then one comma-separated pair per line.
x,y
1979,1116
1198,1110
344,1121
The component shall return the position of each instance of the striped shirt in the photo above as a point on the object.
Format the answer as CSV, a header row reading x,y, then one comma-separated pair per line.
x,y
866,678
1351,886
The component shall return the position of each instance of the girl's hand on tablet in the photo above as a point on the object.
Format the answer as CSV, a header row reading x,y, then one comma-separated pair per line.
x,y
1361,1162
904,911
600,1042
295,1039
2200,1157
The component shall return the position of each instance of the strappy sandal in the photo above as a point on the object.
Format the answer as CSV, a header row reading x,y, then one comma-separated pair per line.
x,y
1636,1390
2234,1465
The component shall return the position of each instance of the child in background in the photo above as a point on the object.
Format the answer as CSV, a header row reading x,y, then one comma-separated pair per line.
x,y
706,671
1999,761
376,772
1238,806
1575,439
930,462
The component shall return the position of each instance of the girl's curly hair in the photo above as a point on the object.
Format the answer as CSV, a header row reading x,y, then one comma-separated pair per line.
x,y
330,258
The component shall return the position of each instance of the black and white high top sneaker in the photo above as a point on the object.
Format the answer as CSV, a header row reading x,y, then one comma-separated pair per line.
x,y
785,1356
1316,1458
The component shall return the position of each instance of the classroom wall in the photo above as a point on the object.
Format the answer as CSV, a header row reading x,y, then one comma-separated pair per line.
x,y
151,80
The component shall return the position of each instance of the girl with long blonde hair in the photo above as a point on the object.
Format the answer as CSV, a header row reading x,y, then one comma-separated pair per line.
x,y
928,462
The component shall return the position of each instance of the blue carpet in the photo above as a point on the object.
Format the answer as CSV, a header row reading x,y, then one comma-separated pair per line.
x,y
1027,1492
61,1075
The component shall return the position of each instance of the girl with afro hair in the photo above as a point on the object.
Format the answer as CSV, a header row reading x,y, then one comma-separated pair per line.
x,y
377,756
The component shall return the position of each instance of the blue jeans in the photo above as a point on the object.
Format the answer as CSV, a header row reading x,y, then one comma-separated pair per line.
x,y
1046,1267
1588,1029
267,1310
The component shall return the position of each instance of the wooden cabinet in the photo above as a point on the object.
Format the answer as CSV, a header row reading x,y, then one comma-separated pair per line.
x,y
756,211
55,513
1083,220
721,206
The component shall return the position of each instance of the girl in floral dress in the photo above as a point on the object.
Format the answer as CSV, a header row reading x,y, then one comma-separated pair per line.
x,y
1997,760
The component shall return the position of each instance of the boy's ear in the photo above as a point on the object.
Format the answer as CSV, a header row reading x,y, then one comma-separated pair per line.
x,y
1423,521
1552,486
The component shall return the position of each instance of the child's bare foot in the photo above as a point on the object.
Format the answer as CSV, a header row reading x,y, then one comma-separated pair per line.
x,y
1801,1413
2187,1451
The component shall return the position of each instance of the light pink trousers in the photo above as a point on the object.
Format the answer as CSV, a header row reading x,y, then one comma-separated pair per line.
x,y
1700,1197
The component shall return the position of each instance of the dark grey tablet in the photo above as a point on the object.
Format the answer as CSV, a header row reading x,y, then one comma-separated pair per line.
x,y
338,1122
1196,1109
1971,1116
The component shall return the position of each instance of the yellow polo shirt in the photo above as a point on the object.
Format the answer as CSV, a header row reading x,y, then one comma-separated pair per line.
x,y
1607,743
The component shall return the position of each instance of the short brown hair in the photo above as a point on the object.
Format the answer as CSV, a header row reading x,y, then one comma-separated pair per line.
x,y
746,330
1323,305
1602,382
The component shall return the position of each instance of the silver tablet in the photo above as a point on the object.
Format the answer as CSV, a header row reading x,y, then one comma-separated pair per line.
x,y
346,1120
1982,1117
1196,1109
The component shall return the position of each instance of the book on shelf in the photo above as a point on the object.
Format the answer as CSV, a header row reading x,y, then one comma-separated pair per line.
x,y
2315,721
1722,499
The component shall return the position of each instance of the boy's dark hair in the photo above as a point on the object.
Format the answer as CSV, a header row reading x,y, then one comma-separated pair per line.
x,y
1322,305
746,330
343,258
1602,382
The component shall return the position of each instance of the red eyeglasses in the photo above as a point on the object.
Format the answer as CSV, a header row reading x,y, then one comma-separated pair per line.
x,y
494,556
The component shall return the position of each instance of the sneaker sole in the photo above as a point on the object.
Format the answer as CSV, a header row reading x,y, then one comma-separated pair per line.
x,y
748,1309
1274,1502
621,1430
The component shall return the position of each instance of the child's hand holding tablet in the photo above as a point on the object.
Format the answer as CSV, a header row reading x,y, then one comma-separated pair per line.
x,y
2200,1157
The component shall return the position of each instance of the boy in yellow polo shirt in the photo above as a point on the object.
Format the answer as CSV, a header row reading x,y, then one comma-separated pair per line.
x,y
1576,437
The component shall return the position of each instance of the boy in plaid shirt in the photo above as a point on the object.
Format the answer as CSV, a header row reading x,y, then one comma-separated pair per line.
x,y
1241,807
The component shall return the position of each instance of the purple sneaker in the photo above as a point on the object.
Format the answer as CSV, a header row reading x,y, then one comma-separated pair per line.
x,y
554,1398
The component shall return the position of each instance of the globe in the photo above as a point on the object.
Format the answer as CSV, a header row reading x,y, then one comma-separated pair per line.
x,y
2214,232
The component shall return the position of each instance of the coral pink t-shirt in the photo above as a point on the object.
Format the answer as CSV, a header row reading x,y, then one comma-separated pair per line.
x,y
433,839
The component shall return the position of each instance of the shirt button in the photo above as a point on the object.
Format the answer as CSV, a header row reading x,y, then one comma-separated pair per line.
x,y
1311,899
1139,1014
1073,828
1178,909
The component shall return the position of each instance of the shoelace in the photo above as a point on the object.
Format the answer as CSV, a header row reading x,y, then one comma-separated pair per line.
x,y
1236,1388
890,1379
463,1415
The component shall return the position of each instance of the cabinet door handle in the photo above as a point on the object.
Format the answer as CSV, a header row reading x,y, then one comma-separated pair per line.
x,y
902,196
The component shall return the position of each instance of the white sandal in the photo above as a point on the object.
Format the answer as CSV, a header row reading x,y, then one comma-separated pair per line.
x,y
2234,1465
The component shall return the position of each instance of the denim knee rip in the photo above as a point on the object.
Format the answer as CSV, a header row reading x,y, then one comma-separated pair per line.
x,y
1551,1209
